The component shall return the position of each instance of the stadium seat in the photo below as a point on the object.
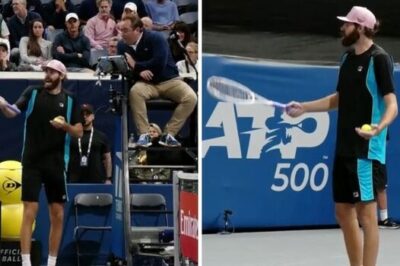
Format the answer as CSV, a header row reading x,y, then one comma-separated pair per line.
x,y
98,204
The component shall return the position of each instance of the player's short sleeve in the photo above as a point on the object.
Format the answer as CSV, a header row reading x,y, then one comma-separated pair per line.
x,y
384,73
23,100
76,116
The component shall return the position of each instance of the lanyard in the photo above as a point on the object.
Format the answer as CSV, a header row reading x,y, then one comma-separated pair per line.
x,y
89,145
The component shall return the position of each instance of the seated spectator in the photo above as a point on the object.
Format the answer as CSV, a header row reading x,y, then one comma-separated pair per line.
x,y
4,31
90,155
34,50
31,5
147,23
145,174
57,11
19,23
178,40
100,28
130,9
5,64
188,68
72,47
164,14
119,6
112,46
156,75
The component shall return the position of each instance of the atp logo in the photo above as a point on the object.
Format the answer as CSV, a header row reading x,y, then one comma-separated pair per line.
x,y
270,130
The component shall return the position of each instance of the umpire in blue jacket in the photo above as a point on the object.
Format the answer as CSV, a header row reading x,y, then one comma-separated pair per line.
x,y
156,75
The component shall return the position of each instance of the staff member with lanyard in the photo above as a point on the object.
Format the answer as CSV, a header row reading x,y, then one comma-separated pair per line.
x,y
90,155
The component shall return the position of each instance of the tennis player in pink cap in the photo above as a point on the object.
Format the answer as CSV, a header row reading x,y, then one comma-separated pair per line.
x,y
52,117
364,95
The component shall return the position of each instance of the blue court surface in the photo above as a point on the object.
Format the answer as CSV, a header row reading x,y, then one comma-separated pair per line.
x,y
290,248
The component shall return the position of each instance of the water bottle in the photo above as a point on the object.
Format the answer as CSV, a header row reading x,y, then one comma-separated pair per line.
x,y
131,141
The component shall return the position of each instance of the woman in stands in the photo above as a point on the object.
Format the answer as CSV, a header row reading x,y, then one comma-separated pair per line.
x,y
178,39
34,49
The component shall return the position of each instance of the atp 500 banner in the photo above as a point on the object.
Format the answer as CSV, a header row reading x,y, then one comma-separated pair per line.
x,y
269,169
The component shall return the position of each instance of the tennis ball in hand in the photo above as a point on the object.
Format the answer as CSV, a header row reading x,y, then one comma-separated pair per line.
x,y
59,119
366,127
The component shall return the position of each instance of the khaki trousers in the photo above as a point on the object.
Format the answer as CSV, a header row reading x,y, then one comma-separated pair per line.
x,y
175,90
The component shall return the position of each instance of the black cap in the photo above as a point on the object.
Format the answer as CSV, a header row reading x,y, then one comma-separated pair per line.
x,y
87,108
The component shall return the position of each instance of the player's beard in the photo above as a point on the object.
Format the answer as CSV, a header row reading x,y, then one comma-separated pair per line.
x,y
351,38
51,84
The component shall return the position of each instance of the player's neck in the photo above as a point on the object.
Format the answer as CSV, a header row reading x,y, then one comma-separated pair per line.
x,y
363,45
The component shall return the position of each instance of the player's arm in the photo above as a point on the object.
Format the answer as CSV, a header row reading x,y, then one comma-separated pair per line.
x,y
75,130
330,102
387,118
7,112
390,113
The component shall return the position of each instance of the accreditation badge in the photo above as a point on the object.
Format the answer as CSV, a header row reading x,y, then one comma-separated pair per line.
x,y
84,161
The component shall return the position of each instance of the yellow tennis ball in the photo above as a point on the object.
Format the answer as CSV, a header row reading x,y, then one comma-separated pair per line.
x,y
366,127
58,119
10,182
11,220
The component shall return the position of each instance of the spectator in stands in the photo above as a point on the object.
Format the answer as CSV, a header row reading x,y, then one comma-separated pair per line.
x,y
100,28
179,38
129,9
90,154
55,19
153,67
112,46
119,6
5,64
164,14
4,31
147,23
72,47
31,5
34,50
19,23
188,68
154,134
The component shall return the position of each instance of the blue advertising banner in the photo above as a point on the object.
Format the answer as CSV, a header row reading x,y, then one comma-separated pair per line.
x,y
269,169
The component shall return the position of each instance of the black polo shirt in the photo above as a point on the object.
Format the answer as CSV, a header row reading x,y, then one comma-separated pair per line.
x,y
363,82
44,144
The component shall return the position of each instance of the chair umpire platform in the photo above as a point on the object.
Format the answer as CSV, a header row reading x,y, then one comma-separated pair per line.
x,y
97,204
155,235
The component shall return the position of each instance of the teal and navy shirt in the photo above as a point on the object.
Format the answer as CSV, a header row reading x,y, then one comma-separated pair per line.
x,y
45,145
363,82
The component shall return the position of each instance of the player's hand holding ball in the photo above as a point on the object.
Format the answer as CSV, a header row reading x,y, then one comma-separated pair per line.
x,y
58,122
367,131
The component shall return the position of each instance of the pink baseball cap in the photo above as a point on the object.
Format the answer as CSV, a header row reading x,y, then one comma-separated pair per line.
x,y
56,65
360,15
